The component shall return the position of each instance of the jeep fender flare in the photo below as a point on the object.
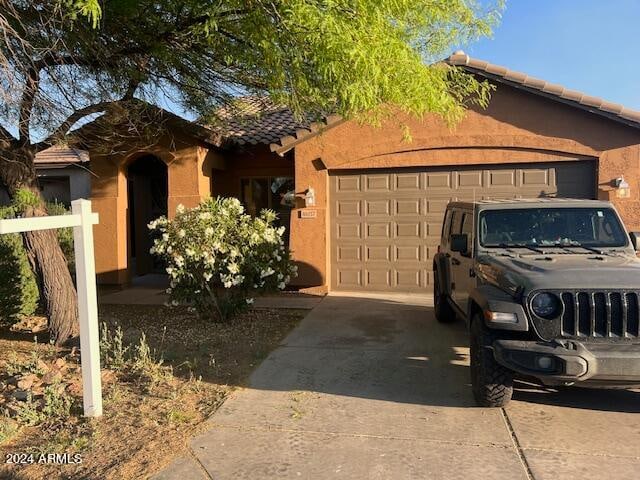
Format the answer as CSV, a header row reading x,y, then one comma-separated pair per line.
x,y
490,298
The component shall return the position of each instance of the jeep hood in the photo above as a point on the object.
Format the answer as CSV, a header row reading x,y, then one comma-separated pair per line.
x,y
559,271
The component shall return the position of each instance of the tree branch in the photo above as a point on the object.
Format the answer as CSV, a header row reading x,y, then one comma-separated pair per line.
x,y
60,132
26,104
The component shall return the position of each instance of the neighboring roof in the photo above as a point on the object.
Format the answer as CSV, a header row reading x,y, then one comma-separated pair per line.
x,y
554,91
61,155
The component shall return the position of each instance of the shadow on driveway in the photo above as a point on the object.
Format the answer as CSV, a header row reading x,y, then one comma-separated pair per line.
x,y
391,348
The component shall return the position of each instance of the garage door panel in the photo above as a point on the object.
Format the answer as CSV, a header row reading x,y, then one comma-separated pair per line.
x,y
377,207
377,183
407,253
378,279
377,230
348,231
377,253
410,206
407,181
408,279
385,225
470,179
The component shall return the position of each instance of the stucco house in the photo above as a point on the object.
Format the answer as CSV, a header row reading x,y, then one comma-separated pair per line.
x,y
369,204
63,175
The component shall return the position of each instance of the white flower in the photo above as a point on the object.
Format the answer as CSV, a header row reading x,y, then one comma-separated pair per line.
x,y
228,284
181,233
169,249
152,225
169,270
267,272
280,276
180,208
204,216
280,230
233,268
174,303
281,285
249,301
190,252
207,276
165,236
208,231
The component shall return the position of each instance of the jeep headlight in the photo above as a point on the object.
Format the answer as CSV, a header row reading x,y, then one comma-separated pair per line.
x,y
546,305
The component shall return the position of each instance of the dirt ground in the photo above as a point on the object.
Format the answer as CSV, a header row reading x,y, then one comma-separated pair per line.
x,y
146,423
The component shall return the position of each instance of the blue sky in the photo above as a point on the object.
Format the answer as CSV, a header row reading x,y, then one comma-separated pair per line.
x,y
585,45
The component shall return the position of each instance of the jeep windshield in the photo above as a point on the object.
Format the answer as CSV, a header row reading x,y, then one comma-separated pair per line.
x,y
551,227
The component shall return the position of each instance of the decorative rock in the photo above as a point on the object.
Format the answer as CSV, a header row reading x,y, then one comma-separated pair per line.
x,y
21,395
26,382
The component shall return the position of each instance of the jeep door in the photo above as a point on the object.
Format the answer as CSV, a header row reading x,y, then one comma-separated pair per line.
x,y
462,275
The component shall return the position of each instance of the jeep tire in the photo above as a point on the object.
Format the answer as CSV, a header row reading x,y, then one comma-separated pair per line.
x,y
491,382
443,310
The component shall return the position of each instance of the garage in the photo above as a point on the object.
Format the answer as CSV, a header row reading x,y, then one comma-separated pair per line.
x,y
385,224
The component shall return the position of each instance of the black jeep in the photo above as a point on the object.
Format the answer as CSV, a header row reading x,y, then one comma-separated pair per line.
x,y
549,289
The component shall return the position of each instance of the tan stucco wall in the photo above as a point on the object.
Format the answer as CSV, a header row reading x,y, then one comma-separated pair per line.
x,y
516,127
187,185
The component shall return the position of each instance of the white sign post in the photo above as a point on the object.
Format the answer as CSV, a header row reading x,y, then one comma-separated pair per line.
x,y
82,221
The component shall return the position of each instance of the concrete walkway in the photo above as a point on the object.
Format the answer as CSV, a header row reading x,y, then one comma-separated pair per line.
x,y
371,387
151,290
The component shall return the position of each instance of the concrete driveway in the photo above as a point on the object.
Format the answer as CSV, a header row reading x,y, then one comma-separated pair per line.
x,y
372,387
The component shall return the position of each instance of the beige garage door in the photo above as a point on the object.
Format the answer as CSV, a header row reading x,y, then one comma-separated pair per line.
x,y
385,225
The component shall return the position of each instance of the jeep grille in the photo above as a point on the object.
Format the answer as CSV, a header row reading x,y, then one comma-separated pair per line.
x,y
594,314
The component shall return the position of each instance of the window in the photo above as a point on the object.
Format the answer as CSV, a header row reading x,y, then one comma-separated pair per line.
x,y
259,193
590,227
467,224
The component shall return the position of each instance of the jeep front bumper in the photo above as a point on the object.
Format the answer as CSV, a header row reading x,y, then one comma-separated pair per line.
x,y
568,361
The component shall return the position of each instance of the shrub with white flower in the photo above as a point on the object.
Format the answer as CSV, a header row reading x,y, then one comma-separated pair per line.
x,y
218,256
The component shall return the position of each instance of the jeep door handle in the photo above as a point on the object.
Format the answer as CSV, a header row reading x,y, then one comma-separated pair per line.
x,y
455,261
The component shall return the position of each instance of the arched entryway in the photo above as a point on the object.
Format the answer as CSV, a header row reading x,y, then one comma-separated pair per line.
x,y
147,200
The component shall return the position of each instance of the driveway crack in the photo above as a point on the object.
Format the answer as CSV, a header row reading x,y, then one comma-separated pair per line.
x,y
516,445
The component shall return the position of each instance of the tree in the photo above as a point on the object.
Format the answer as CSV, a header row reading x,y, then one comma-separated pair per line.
x,y
64,61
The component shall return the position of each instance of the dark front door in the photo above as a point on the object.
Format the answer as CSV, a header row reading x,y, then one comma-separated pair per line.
x,y
147,201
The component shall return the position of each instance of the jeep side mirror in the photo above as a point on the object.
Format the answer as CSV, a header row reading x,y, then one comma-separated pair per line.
x,y
635,239
459,243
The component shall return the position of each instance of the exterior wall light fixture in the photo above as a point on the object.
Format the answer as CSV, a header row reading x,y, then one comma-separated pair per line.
x,y
310,197
622,188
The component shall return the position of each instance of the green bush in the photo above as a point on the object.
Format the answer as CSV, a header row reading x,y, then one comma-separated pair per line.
x,y
19,294
18,287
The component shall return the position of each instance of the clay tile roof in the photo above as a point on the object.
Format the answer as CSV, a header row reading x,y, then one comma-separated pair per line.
x,y
536,85
61,155
256,120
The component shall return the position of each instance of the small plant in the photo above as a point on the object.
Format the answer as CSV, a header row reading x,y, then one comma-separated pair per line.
x,y
33,364
53,408
8,428
218,256
149,369
113,353
139,360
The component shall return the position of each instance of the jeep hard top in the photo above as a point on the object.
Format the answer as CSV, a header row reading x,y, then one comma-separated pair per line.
x,y
549,289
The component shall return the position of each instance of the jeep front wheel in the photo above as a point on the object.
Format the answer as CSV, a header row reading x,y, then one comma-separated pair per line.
x,y
491,382
444,312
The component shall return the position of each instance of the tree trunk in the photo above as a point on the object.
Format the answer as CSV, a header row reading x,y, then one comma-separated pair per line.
x,y
57,291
